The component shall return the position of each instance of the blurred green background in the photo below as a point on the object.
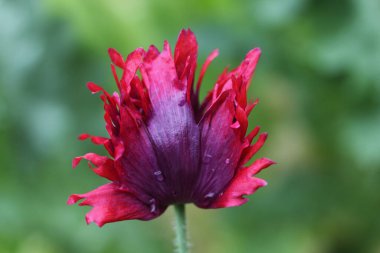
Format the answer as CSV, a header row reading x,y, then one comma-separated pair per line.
x,y
319,85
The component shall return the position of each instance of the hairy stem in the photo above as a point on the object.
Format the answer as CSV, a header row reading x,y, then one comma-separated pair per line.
x,y
180,228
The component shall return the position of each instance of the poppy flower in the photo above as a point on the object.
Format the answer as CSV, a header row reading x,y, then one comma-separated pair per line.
x,y
167,147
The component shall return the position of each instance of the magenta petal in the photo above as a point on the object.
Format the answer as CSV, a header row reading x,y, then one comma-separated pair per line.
x,y
111,204
160,76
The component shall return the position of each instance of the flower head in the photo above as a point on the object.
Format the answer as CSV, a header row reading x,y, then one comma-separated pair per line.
x,y
165,146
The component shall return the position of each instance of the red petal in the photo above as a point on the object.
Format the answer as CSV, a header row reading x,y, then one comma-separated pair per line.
x,y
138,86
110,204
250,107
241,117
185,51
205,65
98,140
215,105
111,104
151,54
248,66
119,150
242,184
94,88
252,150
253,134
116,57
104,165
133,62
112,101
113,69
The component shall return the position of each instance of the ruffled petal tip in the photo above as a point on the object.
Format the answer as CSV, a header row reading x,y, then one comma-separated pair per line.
x,y
101,165
97,140
243,184
110,204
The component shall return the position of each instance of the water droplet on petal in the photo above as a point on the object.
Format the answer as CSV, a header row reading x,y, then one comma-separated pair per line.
x,y
158,175
152,205
210,195
227,161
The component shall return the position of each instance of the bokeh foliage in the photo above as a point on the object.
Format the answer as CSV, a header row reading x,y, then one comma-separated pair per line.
x,y
319,85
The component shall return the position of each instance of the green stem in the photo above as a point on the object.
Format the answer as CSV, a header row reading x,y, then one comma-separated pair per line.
x,y
180,228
